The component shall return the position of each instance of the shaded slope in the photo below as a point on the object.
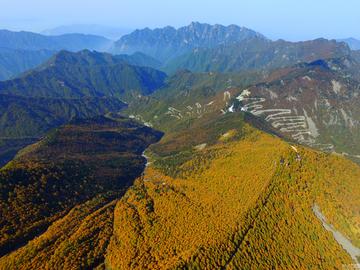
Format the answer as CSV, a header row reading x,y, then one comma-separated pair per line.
x,y
140,59
10,146
74,164
23,120
32,117
14,62
77,240
69,85
75,75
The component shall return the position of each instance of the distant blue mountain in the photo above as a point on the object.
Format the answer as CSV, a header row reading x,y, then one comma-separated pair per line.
x,y
14,61
167,43
33,41
21,51
353,43
89,29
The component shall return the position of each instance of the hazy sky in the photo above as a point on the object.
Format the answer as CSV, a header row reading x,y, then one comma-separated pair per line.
x,y
288,19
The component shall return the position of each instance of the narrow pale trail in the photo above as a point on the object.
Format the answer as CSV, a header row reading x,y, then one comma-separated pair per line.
x,y
146,158
352,250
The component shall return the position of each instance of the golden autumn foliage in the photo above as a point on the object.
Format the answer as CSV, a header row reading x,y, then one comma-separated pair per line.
x,y
241,201
75,164
237,205
76,241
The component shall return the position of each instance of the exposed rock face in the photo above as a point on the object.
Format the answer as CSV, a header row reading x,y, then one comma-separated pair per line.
x,y
316,104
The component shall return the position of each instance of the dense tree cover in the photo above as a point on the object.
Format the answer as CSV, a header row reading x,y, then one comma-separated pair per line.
x,y
85,74
32,117
68,167
336,187
219,194
9,147
71,85
247,207
177,147
15,61
205,208
239,203
76,241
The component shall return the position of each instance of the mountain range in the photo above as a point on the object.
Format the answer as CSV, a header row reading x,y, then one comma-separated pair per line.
x,y
86,73
21,51
255,54
187,47
244,155
167,43
316,104
68,86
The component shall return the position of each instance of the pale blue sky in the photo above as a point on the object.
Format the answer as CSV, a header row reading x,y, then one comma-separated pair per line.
x,y
288,19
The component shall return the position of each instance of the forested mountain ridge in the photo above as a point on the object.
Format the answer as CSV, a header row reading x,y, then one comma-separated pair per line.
x,y
212,178
69,85
241,201
23,120
315,104
21,51
75,75
242,164
257,53
86,162
15,61
32,117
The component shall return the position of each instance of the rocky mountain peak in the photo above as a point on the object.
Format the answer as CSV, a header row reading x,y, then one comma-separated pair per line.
x,y
168,42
